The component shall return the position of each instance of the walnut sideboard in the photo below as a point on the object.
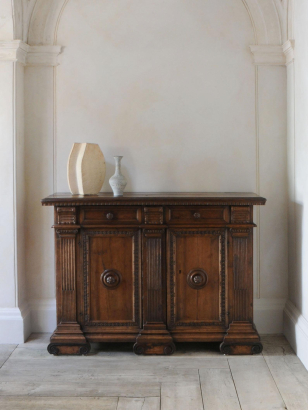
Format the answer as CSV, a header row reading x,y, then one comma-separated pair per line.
x,y
154,269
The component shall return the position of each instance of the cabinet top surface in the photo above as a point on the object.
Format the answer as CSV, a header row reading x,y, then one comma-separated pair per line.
x,y
156,198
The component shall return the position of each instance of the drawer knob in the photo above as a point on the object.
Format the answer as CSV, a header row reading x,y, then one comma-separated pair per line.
x,y
197,215
109,216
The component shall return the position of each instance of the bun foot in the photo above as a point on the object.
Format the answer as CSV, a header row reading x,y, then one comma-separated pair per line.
x,y
58,349
241,349
154,349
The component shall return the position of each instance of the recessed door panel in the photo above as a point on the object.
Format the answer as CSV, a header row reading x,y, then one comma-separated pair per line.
x,y
196,277
112,278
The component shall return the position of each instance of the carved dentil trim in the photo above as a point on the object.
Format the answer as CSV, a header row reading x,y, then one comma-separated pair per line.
x,y
66,232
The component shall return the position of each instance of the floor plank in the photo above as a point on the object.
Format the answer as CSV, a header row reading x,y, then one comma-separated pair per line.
x,y
126,403
36,358
37,341
54,403
84,389
292,380
218,389
254,383
276,345
151,403
181,396
5,352
76,372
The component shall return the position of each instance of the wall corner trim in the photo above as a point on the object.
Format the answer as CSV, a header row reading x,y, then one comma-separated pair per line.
x,y
288,49
265,54
296,331
18,51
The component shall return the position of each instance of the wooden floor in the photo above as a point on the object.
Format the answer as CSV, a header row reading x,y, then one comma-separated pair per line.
x,y
196,377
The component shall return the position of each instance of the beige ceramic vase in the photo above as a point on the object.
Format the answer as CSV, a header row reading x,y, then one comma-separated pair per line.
x,y
86,169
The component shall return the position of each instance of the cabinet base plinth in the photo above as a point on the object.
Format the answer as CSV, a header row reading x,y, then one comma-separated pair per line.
x,y
68,339
242,338
154,340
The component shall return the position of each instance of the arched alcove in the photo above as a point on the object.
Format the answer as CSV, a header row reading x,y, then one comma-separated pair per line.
x,y
173,86
267,17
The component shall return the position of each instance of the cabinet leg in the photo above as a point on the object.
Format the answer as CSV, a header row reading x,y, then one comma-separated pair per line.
x,y
242,338
154,341
68,339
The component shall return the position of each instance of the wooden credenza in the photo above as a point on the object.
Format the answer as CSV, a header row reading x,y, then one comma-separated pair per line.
x,y
154,269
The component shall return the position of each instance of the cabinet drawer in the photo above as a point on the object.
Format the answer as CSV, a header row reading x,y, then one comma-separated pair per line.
x,y
179,215
110,215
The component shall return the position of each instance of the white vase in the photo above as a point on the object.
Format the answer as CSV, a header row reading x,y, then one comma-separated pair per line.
x,y
117,181
86,169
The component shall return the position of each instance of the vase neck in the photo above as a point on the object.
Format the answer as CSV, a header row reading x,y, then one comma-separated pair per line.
x,y
117,165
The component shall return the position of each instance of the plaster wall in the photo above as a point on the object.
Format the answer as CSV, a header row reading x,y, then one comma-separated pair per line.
x,y
171,86
296,312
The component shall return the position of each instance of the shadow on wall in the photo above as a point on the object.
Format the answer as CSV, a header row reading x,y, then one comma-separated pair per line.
x,y
294,310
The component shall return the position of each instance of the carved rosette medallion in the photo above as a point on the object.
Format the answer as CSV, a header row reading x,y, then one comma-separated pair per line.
x,y
197,278
111,278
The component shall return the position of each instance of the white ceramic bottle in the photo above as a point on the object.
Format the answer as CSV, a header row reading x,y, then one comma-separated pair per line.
x,y
118,181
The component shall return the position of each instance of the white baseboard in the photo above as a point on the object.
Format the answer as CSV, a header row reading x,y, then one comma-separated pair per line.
x,y
40,317
43,315
296,331
15,324
268,315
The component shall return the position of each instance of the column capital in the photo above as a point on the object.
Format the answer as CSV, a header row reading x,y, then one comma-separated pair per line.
x,y
15,50
18,51
43,55
265,54
288,49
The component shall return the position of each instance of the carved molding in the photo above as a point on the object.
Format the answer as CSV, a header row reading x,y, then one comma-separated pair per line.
x,y
18,51
68,233
241,232
15,51
43,55
67,256
240,262
154,279
66,216
154,215
240,214
149,203
268,55
288,49
267,19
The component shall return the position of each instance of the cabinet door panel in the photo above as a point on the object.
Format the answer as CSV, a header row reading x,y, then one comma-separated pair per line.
x,y
112,278
196,277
